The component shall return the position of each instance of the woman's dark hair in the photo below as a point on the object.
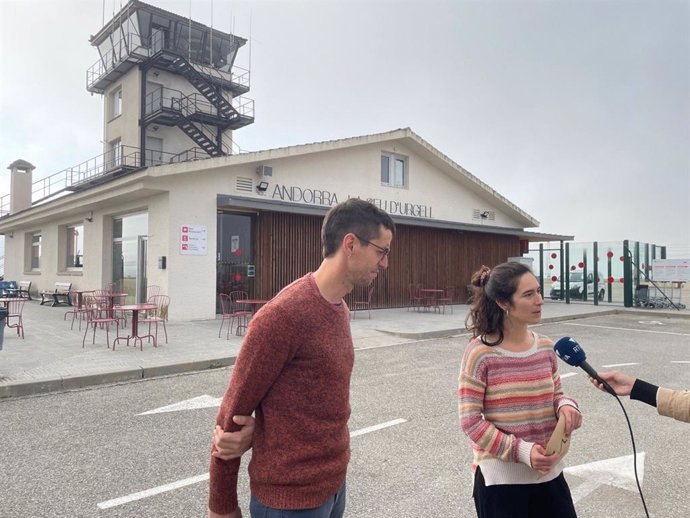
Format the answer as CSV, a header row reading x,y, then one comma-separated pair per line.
x,y
491,286
353,215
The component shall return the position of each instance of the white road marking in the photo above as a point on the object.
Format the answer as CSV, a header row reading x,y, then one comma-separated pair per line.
x,y
204,401
201,478
627,329
651,322
680,361
151,492
618,472
608,366
568,374
376,427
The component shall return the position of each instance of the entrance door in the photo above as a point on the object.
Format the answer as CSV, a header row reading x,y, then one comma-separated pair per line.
x,y
154,151
129,255
234,254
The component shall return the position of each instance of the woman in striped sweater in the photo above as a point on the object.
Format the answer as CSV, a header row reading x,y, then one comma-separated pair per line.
x,y
510,399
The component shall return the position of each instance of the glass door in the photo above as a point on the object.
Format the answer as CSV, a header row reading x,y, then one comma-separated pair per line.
x,y
130,234
234,254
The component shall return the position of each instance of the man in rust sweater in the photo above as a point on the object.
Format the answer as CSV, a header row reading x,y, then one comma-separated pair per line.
x,y
293,371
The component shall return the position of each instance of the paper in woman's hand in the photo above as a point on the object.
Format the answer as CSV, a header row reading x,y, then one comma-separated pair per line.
x,y
558,443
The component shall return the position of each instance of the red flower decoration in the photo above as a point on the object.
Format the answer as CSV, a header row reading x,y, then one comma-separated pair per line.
x,y
550,267
554,255
610,280
621,280
554,278
622,258
581,264
238,277
609,254
572,267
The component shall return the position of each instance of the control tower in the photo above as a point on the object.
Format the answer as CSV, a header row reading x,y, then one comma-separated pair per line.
x,y
170,87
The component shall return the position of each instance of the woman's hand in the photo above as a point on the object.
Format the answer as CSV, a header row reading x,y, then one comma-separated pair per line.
x,y
540,461
573,418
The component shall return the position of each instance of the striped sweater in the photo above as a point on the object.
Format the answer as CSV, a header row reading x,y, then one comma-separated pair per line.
x,y
507,402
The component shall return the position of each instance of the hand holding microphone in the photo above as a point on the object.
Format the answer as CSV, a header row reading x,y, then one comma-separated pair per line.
x,y
621,383
573,354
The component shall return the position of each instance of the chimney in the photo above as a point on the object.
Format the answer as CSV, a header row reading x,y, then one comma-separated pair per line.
x,y
20,185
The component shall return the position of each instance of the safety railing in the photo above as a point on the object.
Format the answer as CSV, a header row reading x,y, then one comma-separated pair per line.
x,y
135,48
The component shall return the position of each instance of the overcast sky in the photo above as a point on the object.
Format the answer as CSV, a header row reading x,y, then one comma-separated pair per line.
x,y
576,111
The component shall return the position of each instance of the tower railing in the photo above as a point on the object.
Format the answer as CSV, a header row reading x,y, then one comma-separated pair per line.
x,y
135,49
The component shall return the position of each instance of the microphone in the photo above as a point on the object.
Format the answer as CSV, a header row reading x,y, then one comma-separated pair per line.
x,y
573,354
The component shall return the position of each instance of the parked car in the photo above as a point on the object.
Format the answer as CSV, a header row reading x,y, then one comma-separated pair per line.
x,y
576,287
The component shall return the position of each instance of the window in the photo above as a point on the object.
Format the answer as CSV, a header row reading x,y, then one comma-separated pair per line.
x,y
35,251
116,103
393,170
115,153
74,249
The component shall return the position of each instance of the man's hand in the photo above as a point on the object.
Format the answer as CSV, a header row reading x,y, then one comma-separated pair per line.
x,y
231,445
573,418
621,383
540,461
237,513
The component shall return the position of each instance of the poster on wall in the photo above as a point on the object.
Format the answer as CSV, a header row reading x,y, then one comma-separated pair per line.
x,y
234,243
193,240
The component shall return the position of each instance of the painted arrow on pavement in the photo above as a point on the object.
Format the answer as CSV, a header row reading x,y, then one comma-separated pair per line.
x,y
618,472
204,401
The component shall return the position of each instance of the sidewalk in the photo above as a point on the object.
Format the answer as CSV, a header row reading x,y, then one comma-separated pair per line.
x,y
51,357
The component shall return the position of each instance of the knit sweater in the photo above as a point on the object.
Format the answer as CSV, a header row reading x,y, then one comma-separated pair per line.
x,y
507,402
294,371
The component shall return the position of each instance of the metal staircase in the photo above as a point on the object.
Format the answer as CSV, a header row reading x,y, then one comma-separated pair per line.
x,y
181,66
199,137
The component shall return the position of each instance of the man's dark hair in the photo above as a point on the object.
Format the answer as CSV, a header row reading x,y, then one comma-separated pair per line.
x,y
354,215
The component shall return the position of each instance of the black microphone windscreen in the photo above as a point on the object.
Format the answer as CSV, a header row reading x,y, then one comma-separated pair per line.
x,y
570,351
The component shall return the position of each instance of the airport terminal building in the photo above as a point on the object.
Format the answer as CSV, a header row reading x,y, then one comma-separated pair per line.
x,y
170,203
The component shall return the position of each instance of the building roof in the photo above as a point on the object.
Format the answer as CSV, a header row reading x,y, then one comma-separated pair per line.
x,y
417,143
405,135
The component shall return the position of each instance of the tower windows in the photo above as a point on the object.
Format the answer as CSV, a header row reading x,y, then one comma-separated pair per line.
x,y
116,103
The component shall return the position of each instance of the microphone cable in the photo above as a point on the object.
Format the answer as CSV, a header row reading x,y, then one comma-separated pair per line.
x,y
632,439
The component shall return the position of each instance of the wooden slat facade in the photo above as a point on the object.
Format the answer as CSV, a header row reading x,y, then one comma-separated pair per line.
x,y
289,245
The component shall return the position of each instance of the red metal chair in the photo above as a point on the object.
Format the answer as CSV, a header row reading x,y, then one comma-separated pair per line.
x,y
363,304
152,290
160,314
77,310
95,317
447,298
14,310
416,300
232,311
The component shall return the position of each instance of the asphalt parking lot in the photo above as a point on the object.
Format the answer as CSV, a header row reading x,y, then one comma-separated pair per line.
x,y
141,448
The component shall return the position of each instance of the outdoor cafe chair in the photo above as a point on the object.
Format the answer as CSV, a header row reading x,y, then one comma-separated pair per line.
x,y
76,310
158,315
14,310
232,313
152,290
416,300
447,298
363,304
95,317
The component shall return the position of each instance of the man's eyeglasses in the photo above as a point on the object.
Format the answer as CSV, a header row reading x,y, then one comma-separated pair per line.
x,y
383,252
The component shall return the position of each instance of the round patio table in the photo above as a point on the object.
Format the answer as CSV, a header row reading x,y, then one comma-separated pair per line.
x,y
135,309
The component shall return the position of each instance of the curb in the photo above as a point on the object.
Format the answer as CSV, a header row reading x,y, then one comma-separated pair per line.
x,y
63,384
